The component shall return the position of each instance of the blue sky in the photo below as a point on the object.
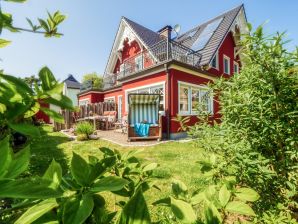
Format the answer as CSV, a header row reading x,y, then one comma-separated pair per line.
x,y
91,26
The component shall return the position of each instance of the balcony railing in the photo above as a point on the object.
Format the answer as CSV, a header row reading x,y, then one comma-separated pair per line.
x,y
158,53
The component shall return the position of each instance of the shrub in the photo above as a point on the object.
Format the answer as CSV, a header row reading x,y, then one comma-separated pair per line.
x,y
84,128
82,137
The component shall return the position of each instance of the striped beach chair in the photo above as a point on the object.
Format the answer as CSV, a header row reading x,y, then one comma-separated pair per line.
x,y
144,108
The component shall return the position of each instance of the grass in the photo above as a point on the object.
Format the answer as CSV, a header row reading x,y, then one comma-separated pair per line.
x,y
176,160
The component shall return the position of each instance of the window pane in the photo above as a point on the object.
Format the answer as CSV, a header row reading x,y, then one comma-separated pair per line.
x,y
183,99
205,104
235,68
214,64
139,63
195,100
145,90
226,66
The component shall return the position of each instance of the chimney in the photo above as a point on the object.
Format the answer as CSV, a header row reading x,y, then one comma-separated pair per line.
x,y
165,32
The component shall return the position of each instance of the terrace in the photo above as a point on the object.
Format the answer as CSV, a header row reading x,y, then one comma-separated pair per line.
x,y
162,51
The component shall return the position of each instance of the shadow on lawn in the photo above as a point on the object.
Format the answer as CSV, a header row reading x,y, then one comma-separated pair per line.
x,y
44,149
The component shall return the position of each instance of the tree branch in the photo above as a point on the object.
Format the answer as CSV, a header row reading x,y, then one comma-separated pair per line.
x,y
35,31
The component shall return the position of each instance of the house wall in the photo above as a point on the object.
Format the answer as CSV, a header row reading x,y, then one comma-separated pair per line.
x,y
227,48
72,94
182,76
41,115
132,50
92,97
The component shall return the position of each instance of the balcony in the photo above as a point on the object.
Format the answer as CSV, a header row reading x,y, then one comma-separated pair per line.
x,y
160,52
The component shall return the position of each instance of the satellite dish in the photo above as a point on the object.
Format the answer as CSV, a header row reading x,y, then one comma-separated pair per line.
x,y
177,29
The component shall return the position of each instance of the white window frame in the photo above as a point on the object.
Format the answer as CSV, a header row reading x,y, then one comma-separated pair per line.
x,y
119,112
108,99
190,86
225,57
142,62
216,61
237,65
84,102
127,91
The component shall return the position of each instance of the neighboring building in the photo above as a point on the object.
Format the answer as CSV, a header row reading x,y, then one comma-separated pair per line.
x,y
178,68
71,89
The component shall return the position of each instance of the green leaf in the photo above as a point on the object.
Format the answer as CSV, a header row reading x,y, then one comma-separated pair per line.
x,y
64,102
19,163
76,210
247,194
53,114
198,198
17,83
179,188
150,167
26,129
44,25
53,174
28,188
111,183
183,211
37,211
135,211
48,81
33,110
5,156
4,43
80,170
16,1
224,195
210,217
239,207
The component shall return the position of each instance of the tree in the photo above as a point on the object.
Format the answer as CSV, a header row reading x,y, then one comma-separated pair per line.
x,y
31,80
93,80
48,27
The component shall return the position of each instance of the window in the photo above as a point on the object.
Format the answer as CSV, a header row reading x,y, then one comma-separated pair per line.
x,y
193,98
226,64
183,99
214,62
236,67
83,102
158,89
206,34
110,99
139,63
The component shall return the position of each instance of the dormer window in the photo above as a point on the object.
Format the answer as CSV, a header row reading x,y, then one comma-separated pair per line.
x,y
214,62
226,65
139,62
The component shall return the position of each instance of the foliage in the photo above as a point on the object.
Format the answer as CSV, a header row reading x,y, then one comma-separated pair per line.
x,y
84,128
48,27
93,80
19,103
31,81
257,139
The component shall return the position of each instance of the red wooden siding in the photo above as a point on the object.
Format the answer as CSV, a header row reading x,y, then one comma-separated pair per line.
x,y
227,48
41,115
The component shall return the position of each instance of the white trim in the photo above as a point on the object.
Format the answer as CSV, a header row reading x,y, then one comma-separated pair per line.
x,y
110,97
217,62
229,63
142,87
189,85
119,115
237,64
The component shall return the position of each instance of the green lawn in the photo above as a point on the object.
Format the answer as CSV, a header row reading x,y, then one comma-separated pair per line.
x,y
176,159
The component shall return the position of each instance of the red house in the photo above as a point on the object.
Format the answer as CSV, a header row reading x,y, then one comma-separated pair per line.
x,y
178,67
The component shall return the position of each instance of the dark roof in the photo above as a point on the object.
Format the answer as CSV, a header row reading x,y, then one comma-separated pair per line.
x,y
149,37
71,82
216,39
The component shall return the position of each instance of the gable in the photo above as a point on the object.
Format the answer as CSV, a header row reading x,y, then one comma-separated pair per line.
x,y
130,32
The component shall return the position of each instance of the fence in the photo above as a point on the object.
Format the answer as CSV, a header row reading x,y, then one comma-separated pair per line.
x,y
88,110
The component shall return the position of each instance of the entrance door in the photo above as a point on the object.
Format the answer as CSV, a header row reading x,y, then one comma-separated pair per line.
x,y
119,107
